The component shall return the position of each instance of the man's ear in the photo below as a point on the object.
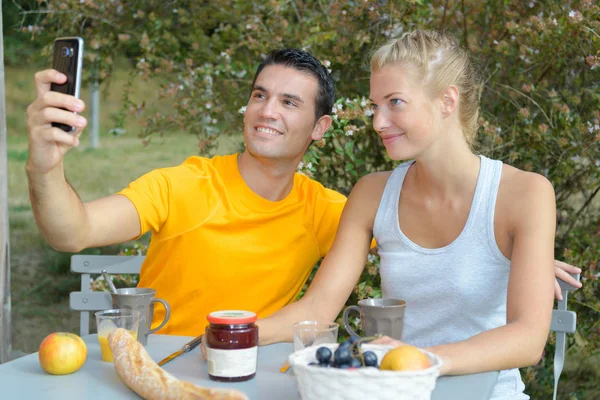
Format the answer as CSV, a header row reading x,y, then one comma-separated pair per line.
x,y
321,127
450,98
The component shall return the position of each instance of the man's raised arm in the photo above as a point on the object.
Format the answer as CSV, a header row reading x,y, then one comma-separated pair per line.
x,y
65,221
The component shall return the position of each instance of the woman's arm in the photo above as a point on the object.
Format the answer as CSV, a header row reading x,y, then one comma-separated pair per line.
x,y
340,269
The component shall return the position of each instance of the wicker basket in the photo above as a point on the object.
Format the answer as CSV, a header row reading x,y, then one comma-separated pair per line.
x,y
318,383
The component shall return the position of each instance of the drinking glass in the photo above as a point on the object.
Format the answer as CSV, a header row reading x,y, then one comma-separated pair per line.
x,y
109,320
311,333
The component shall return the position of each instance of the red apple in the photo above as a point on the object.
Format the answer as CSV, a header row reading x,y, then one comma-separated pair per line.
x,y
62,353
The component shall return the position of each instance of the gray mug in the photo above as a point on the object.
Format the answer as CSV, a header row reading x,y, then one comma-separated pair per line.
x,y
141,299
383,316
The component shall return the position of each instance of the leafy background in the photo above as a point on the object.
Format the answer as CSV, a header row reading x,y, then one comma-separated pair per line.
x,y
540,107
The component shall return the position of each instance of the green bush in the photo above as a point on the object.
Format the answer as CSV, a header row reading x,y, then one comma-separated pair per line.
x,y
540,107
19,23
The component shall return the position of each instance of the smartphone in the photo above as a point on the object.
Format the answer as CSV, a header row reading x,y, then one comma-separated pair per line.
x,y
67,58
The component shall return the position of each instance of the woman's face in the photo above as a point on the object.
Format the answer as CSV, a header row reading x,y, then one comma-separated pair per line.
x,y
404,115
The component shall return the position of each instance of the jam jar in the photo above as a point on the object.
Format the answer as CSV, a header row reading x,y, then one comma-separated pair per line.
x,y
231,342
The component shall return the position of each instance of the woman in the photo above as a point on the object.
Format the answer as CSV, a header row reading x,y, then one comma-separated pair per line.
x,y
467,241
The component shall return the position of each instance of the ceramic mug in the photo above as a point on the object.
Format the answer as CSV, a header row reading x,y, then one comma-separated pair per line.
x,y
378,316
141,299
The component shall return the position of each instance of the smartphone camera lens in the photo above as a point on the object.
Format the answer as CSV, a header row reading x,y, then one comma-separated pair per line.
x,y
67,52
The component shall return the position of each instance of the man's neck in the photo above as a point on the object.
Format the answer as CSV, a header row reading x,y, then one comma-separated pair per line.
x,y
270,180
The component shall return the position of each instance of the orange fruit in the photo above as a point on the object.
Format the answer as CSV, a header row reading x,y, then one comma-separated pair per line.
x,y
404,358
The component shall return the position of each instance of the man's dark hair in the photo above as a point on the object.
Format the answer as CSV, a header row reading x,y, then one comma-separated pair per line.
x,y
303,61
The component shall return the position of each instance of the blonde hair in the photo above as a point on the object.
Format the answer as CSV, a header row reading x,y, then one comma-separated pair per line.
x,y
438,62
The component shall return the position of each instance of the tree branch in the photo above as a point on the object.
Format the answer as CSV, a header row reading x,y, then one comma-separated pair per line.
x,y
325,12
530,99
442,25
583,207
465,34
546,70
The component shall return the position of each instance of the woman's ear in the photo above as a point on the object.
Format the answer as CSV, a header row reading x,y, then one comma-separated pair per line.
x,y
450,98
321,127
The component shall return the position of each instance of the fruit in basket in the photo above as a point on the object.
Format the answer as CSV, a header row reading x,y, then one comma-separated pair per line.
x,y
370,359
324,355
62,353
342,356
355,363
404,358
348,355
345,344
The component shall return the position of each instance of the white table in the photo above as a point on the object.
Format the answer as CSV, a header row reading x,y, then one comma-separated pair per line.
x,y
24,379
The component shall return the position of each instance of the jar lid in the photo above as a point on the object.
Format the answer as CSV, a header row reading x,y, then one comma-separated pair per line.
x,y
231,317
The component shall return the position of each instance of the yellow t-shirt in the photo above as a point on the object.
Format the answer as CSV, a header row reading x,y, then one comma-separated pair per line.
x,y
217,245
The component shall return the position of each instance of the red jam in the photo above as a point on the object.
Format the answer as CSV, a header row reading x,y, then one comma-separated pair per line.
x,y
231,345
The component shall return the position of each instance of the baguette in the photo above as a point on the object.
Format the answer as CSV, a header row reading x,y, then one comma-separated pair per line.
x,y
142,375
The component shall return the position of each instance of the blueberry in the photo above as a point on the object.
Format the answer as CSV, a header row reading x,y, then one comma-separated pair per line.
x,y
344,366
370,359
352,339
323,355
342,356
355,363
345,344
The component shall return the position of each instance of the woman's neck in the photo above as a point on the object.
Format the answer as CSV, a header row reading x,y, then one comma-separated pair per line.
x,y
446,170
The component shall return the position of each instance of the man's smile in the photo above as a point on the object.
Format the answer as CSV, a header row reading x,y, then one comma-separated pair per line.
x,y
268,130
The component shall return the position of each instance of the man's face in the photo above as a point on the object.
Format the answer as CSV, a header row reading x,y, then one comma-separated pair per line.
x,y
279,122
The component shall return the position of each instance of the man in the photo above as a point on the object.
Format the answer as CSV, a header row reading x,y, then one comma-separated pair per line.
x,y
241,231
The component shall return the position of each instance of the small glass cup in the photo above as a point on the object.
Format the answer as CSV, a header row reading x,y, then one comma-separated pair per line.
x,y
310,333
109,320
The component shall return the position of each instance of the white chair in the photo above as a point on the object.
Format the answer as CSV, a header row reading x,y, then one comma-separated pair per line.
x,y
563,322
86,300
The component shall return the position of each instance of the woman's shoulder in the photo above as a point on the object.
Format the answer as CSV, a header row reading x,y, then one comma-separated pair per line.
x,y
367,192
375,181
364,199
522,192
521,182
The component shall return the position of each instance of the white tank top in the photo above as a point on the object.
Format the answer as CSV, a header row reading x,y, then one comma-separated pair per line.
x,y
454,292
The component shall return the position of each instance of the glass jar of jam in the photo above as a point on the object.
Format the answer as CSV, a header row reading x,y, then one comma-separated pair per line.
x,y
231,342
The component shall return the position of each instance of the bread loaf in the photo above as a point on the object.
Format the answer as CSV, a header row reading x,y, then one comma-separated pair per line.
x,y
142,375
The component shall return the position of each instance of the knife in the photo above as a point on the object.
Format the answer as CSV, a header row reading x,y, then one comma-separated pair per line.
x,y
186,347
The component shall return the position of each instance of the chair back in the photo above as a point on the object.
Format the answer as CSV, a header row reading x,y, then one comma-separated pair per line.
x,y
563,322
86,300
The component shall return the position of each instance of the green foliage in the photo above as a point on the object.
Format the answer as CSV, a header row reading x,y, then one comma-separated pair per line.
x,y
98,284
19,22
349,148
540,60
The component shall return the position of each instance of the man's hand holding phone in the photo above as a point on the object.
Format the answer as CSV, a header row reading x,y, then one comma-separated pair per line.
x,y
63,219
48,144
